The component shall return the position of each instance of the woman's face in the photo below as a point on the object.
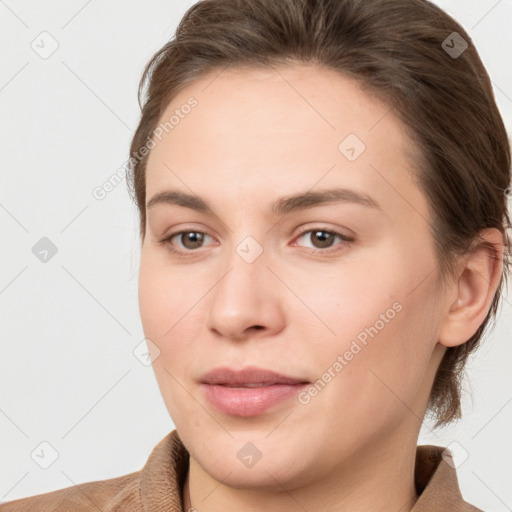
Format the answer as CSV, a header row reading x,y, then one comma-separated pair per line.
x,y
259,280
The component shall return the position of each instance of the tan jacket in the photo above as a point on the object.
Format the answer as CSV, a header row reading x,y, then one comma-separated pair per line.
x,y
157,486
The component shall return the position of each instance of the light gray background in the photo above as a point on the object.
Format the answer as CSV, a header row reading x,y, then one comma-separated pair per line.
x,y
69,326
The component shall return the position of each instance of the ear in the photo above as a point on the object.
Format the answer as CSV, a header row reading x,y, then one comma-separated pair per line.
x,y
472,294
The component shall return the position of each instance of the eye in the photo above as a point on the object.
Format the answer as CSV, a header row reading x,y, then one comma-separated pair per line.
x,y
323,238
189,240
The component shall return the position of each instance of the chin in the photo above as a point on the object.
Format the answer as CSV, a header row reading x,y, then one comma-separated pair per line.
x,y
249,460
270,476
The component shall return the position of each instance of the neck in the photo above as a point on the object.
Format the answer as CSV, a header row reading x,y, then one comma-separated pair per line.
x,y
379,480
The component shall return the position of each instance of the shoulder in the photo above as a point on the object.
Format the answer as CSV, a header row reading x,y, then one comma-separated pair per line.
x,y
99,495
157,486
436,481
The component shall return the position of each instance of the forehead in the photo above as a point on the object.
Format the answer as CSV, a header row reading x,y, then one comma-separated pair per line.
x,y
276,130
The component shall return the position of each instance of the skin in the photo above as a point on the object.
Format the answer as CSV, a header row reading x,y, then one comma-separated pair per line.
x,y
257,135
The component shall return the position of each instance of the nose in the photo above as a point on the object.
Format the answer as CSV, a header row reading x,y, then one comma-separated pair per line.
x,y
246,300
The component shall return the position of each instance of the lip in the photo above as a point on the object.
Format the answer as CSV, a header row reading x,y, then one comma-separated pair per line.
x,y
226,389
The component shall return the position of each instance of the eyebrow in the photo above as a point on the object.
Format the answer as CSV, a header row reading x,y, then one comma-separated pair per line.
x,y
281,206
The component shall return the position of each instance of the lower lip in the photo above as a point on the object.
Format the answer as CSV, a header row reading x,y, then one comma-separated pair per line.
x,y
249,401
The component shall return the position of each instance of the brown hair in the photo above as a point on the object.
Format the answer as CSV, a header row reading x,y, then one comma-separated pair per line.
x,y
399,51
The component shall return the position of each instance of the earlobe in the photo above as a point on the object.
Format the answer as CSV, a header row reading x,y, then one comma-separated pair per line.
x,y
474,290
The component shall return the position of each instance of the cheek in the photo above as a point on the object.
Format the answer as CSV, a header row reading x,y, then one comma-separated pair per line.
x,y
161,296
171,312
348,303
383,342
163,312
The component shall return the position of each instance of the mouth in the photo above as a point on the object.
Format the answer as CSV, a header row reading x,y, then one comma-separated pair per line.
x,y
248,377
248,392
249,385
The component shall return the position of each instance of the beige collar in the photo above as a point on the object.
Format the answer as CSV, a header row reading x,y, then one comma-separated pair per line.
x,y
164,474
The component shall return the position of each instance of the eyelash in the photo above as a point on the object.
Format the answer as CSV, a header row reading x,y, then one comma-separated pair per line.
x,y
188,253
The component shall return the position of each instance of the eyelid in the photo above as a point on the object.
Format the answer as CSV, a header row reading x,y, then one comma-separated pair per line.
x,y
327,229
333,249
165,240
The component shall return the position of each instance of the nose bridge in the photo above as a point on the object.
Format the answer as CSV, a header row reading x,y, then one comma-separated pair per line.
x,y
247,238
246,267
244,295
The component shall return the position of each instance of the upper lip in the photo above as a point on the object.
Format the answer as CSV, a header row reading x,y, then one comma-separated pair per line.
x,y
249,375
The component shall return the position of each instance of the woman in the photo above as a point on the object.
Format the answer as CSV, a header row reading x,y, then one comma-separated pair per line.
x,y
323,242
